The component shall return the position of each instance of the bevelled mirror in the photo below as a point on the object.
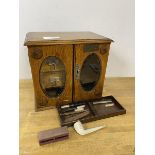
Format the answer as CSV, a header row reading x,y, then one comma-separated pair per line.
x,y
52,76
90,72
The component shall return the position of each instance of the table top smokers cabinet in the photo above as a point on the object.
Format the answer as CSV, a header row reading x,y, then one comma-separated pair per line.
x,y
66,66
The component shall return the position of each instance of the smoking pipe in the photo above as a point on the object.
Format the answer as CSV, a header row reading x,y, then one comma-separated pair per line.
x,y
80,129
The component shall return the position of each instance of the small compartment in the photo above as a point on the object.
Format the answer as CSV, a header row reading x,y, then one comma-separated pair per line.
x,y
92,110
69,114
106,107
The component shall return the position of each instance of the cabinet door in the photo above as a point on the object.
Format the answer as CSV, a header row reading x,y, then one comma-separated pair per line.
x,y
51,68
89,73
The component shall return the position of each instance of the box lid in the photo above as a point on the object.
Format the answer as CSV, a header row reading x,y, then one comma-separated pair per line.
x,y
49,38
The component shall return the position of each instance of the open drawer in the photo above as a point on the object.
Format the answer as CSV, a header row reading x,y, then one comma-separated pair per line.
x,y
90,110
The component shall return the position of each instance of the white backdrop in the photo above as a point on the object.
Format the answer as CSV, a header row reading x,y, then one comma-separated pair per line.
x,y
111,18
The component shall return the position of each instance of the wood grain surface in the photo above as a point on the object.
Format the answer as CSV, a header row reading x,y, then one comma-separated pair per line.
x,y
80,56
43,101
116,139
37,38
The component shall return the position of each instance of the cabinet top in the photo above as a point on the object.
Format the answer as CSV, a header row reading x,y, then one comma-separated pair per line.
x,y
49,38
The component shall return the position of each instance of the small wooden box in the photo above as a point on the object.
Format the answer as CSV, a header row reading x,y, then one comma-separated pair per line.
x,y
67,66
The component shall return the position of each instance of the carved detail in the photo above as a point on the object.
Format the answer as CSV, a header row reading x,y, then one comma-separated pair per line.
x,y
104,49
37,53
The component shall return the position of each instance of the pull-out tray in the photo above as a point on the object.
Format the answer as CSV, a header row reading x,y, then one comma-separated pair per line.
x,y
90,110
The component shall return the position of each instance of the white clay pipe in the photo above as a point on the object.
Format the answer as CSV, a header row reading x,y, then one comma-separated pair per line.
x,y
80,130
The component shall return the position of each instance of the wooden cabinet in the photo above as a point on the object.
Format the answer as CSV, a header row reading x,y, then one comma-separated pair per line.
x,y
66,66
